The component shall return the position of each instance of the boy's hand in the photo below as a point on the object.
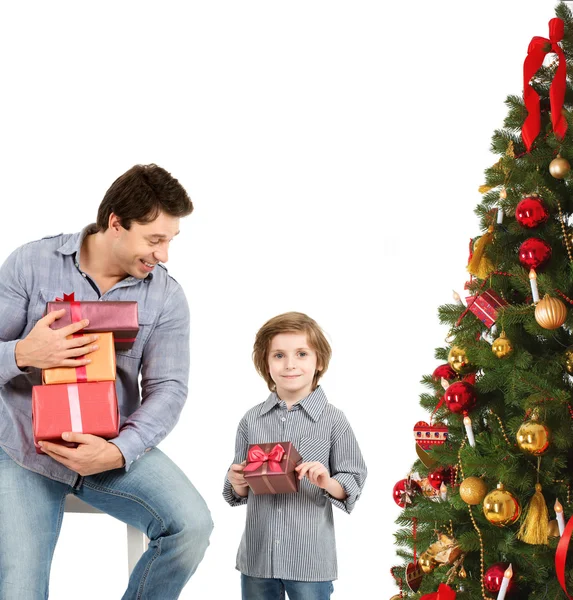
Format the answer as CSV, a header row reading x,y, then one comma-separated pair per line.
x,y
237,479
316,472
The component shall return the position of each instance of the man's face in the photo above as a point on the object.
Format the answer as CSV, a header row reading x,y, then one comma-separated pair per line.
x,y
138,249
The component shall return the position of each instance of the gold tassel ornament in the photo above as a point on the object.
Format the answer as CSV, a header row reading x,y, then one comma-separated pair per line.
x,y
479,265
535,525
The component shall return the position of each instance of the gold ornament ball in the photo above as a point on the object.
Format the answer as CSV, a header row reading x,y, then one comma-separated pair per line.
x,y
458,360
502,346
533,437
559,167
473,490
554,529
569,360
500,507
550,312
396,597
427,562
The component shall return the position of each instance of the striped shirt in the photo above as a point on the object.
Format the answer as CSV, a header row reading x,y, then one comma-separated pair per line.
x,y
291,536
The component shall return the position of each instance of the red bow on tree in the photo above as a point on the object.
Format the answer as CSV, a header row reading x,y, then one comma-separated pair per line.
x,y
444,592
256,457
538,48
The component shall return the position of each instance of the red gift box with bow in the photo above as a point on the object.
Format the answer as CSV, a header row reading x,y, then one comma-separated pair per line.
x,y
78,407
270,468
486,306
444,592
119,317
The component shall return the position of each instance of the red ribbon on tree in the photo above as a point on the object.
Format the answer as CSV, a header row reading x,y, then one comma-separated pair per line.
x,y
444,592
538,48
561,555
256,457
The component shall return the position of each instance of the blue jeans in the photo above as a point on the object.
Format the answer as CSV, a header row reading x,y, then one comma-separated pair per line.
x,y
154,496
257,588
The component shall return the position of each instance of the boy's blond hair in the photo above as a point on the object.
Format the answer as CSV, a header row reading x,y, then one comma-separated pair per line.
x,y
291,322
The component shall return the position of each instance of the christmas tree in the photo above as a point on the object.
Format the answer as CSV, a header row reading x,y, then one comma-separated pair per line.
x,y
486,503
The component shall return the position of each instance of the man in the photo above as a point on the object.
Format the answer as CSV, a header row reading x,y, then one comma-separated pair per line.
x,y
118,258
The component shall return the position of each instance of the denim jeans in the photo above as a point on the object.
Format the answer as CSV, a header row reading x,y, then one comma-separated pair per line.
x,y
257,588
154,496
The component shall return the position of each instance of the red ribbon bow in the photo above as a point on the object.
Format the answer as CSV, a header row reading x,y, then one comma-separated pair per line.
x,y
538,48
444,592
561,556
66,298
256,457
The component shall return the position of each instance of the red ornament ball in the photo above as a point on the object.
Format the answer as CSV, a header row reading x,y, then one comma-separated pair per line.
x,y
534,253
460,397
493,577
531,212
436,478
444,372
404,491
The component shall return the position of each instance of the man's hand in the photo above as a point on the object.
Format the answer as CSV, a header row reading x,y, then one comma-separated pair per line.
x,y
93,454
237,479
45,348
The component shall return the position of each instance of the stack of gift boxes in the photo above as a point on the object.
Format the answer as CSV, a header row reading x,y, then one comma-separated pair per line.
x,y
83,399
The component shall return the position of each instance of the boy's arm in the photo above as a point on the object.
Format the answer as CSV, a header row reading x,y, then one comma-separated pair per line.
x,y
241,445
348,469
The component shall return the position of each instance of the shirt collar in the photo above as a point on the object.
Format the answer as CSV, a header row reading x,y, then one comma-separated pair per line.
x,y
75,241
313,404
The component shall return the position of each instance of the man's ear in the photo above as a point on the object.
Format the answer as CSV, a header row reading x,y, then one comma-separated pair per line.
x,y
114,223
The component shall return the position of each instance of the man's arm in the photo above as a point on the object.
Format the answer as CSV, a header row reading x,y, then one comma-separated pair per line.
x,y
165,374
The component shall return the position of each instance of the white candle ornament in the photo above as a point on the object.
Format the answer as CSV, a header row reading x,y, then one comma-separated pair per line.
x,y
443,492
560,518
533,283
469,431
505,583
499,215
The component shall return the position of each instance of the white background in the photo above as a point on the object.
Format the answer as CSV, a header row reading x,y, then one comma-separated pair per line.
x,y
333,151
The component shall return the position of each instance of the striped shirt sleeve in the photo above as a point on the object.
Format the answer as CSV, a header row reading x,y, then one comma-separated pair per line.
x,y
241,445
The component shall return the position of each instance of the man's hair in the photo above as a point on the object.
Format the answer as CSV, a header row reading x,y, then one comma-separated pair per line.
x,y
140,194
291,322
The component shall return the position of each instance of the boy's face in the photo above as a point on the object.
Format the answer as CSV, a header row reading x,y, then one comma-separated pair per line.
x,y
138,249
292,365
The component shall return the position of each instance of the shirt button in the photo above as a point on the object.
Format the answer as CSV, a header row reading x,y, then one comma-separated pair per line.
x,y
283,419
77,264
277,542
279,510
84,274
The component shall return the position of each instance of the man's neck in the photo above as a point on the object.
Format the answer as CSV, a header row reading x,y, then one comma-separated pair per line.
x,y
96,261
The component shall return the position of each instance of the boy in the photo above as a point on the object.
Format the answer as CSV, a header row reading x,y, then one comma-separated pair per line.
x,y
288,543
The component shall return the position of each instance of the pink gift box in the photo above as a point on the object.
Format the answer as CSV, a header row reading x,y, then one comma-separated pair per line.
x,y
486,306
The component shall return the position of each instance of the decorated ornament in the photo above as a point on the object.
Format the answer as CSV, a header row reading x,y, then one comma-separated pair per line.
x,y
569,360
486,306
444,371
444,592
428,436
533,437
479,264
534,252
427,562
446,550
441,475
550,312
493,578
502,346
414,576
559,167
473,490
460,397
531,212
404,491
500,507
458,360
535,523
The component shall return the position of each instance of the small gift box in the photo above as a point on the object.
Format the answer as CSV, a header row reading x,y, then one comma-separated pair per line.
x,y
486,306
120,318
102,367
79,407
270,468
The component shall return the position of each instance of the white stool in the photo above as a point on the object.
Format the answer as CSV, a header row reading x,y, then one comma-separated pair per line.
x,y
136,541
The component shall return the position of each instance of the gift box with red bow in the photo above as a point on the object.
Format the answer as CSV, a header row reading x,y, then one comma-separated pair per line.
x,y
486,306
120,318
270,468
78,407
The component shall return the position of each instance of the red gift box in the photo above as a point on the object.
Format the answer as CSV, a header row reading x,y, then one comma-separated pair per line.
x,y
118,317
486,306
270,468
79,407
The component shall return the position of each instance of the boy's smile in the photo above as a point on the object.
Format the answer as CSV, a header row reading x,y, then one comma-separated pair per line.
x,y
292,366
